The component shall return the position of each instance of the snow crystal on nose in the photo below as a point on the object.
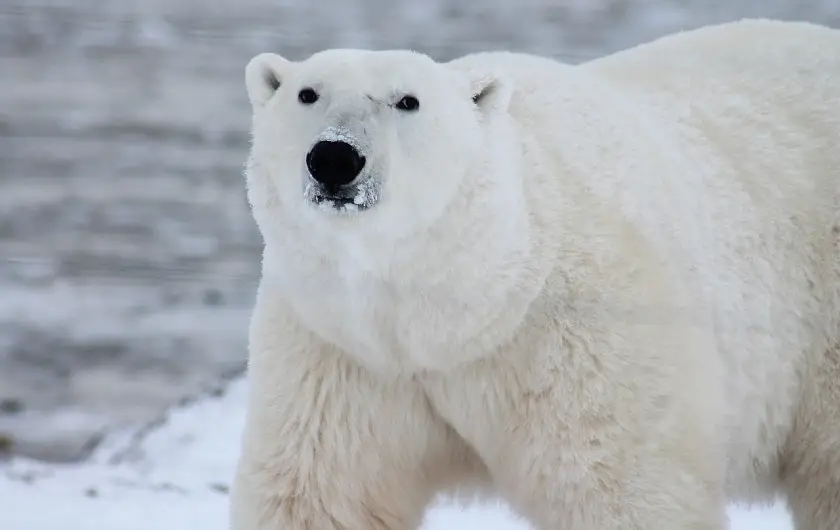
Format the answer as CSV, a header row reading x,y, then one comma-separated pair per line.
x,y
334,134
340,134
367,193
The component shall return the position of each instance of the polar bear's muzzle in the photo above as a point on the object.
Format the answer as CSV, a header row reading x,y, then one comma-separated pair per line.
x,y
339,178
334,163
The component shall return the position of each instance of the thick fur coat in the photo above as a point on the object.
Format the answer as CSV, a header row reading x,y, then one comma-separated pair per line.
x,y
609,293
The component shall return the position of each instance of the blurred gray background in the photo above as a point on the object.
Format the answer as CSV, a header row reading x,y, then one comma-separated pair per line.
x,y
128,257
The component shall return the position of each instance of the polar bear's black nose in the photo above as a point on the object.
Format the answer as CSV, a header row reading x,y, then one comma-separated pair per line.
x,y
334,164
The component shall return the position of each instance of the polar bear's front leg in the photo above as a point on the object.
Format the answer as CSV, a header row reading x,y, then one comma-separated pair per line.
x,y
327,445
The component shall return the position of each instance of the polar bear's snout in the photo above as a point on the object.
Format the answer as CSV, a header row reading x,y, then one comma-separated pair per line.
x,y
340,178
334,163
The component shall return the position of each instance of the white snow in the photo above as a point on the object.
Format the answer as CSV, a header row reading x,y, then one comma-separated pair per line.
x,y
176,477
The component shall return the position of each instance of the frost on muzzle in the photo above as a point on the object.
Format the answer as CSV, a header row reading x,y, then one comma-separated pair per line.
x,y
339,176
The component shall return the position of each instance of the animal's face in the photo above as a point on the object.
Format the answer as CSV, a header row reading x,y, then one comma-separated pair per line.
x,y
365,141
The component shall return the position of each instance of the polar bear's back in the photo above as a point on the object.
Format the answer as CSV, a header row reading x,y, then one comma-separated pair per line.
x,y
756,104
757,91
777,67
744,47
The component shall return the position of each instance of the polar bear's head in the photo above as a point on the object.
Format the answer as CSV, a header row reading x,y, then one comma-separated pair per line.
x,y
370,142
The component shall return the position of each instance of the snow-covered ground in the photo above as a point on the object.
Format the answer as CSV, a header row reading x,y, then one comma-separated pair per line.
x,y
176,475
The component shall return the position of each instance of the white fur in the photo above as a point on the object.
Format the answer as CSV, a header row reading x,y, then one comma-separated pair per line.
x,y
608,292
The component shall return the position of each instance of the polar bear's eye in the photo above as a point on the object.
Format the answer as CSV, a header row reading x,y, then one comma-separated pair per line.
x,y
408,103
307,96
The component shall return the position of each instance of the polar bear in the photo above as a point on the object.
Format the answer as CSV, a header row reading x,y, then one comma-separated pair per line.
x,y
608,293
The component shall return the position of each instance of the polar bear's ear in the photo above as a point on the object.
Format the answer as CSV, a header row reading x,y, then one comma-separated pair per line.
x,y
490,91
263,76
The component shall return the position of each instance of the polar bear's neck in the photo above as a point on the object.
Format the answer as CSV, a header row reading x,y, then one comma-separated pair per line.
x,y
447,296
